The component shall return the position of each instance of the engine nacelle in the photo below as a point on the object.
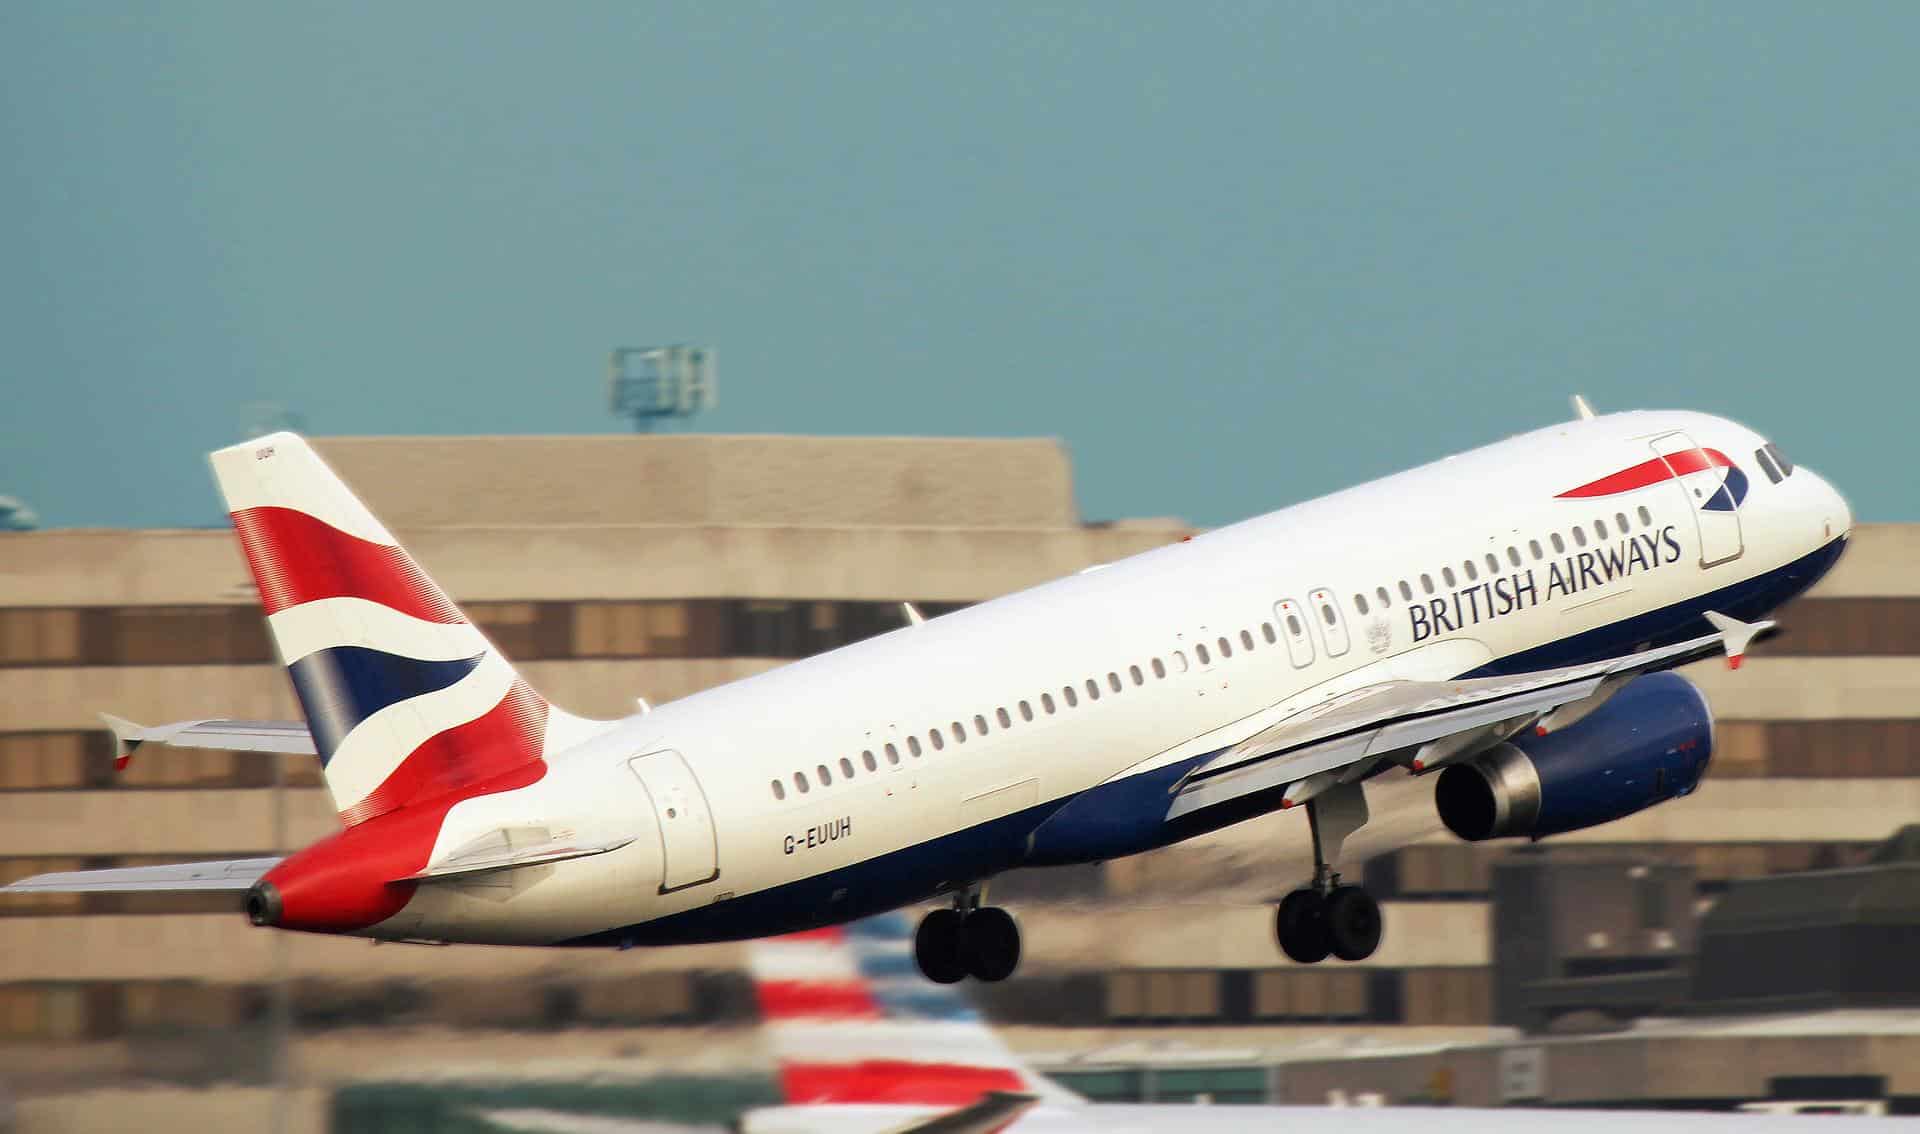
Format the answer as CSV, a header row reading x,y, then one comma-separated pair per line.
x,y
1649,742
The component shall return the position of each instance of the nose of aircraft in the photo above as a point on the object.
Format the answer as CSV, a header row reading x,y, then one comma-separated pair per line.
x,y
1836,517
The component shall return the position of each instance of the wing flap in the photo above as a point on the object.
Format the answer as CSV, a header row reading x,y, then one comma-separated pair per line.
x,y
230,874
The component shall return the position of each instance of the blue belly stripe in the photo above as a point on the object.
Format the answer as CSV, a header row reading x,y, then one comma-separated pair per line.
x,y
344,685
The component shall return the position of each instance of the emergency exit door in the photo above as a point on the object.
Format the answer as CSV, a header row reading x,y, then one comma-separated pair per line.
x,y
689,850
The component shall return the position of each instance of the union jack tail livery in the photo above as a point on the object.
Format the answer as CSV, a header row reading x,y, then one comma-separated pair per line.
x,y
406,699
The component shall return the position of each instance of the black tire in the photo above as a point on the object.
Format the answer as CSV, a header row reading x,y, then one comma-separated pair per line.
x,y
1352,923
936,947
1301,926
990,944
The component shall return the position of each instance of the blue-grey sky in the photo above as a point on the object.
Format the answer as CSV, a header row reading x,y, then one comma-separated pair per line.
x,y
1236,255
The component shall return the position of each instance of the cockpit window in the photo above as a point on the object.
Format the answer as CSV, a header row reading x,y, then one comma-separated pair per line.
x,y
1779,458
1767,466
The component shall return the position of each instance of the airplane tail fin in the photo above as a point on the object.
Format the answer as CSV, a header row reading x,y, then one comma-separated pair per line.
x,y
852,1021
405,698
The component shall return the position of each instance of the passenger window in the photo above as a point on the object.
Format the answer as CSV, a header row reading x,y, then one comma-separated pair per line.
x,y
1266,631
1533,545
1473,572
913,745
1599,529
800,782
1180,661
1159,668
1226,648
1426,583
825,776
846,768
1381,594
1406,592
779,790
1006,720
1200,651
1646,517
866,757
1493,563
1299,641
939,742
1046,702
1579,535
1446,575
1246,640
1113,681
893,754
1360,603
980,723
1093,689
1026,711
1139,678
1559,545
1513,555
1620,522
959,732
1073,699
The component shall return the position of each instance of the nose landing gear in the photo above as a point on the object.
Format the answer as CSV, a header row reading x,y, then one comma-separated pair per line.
x,y
1327,918
982,942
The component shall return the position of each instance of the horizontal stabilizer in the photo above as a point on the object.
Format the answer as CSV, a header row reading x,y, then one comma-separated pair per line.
x,y
232,735
231,874
506,848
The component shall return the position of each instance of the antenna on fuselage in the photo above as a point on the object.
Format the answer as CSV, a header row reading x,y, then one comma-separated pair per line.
x,y
1581,407
914,617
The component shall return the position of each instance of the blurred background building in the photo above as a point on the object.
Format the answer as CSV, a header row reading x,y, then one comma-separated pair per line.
x,y
619,567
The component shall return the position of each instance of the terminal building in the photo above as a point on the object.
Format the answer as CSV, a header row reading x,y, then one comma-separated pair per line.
x,y
620,567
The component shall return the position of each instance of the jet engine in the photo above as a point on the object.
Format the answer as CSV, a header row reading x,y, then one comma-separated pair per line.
x,y
1649,742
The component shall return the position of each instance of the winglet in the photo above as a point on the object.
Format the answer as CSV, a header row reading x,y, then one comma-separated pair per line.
x,y
1581,407
127,736
1736,636
914,617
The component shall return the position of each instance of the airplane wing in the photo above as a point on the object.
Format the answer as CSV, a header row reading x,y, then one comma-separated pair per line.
x,y
230,874
1424,724
234,735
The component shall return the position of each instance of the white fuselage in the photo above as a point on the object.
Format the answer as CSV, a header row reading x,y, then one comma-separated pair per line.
x,y
722,853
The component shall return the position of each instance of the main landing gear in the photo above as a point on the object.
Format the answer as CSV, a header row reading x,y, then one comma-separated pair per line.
x,y
969,940
1326,917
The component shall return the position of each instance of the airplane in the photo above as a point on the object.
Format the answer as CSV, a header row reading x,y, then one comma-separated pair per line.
x,y
1501,621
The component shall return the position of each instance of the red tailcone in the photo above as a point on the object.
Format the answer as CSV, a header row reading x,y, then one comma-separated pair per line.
x,y
350,881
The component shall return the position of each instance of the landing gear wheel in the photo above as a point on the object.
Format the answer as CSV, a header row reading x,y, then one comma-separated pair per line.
x,y
937,947
990,944
1301,926
1352,923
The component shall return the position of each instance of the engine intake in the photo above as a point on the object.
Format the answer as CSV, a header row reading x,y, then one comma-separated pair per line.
x,y
1649,742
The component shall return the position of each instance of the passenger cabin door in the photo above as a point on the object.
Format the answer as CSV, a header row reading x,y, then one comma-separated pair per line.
x,y
689,851
1712,490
